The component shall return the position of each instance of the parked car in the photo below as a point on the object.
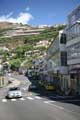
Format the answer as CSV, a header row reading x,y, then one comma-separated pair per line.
x,y
14,92
32,87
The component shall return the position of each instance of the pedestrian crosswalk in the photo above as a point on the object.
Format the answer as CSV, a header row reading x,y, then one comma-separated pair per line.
x,y
29,98
13,99
4,100
22,99
37,97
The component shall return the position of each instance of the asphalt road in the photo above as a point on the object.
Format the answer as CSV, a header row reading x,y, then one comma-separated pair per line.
x,y
36,107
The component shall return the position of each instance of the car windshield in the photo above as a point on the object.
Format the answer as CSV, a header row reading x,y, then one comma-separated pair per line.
x,y
13,89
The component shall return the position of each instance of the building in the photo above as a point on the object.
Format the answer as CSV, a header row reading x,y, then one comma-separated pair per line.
x,y
57,70
43,43
33,52
73,49
3,78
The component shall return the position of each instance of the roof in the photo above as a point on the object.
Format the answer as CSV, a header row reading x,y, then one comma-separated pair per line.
x,y
74,10
61,31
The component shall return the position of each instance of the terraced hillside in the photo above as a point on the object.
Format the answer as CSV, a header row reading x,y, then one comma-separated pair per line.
x,y
29,46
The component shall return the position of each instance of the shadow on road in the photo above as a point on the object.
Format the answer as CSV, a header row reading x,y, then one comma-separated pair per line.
x,y
53,95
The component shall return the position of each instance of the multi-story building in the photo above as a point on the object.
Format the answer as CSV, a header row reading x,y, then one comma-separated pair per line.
x,y
57,61
39,65
33,52
73,49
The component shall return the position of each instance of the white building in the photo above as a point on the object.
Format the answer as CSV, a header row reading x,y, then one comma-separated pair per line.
x,y
57,61
73,48
43,43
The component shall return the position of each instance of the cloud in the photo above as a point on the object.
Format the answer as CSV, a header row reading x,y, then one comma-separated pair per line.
x,y
43,26
23,17
9,15
28,9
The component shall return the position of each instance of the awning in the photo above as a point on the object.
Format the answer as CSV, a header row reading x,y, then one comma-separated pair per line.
x,y
76,70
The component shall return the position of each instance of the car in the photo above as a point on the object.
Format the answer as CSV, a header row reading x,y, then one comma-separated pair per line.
x,y
32,87
14,92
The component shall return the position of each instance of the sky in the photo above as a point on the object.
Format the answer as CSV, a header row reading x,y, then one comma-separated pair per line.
x,y
36,12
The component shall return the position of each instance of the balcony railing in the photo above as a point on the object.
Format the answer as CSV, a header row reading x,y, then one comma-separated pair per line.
x,y
73,36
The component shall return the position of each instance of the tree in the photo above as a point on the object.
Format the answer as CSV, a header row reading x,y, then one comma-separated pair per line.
x,y
15,64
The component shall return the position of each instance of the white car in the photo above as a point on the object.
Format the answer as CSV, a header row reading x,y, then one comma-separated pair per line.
x,y
14,92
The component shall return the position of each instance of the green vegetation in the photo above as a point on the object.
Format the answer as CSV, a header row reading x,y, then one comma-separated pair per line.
x,y
47,34
15,64
26,43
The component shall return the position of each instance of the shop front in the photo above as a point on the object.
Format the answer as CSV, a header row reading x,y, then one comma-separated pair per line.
x,y
75,78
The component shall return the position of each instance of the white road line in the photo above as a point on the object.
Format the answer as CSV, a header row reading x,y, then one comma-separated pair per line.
x,y
30,98
51,103
57,106
22,99
13,99
4,100
37,97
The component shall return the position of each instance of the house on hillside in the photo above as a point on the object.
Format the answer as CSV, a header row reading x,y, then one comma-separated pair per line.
x,y
43,43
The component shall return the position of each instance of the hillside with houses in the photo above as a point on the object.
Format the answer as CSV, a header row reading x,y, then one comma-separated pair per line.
x,y
26,42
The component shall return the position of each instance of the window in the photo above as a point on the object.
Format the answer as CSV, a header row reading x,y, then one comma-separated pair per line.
x,y
73,52
63,58
14,88
63,38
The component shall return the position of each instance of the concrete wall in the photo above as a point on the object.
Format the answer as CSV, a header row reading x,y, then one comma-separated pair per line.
x,y
3,81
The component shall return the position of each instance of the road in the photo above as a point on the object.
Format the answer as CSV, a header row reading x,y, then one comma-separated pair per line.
x,y
34,106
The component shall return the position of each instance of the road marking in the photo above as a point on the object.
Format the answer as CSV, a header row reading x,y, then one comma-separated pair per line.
x,y
37,97
22,99
4,100
49,101
30,98
13,99
57,106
